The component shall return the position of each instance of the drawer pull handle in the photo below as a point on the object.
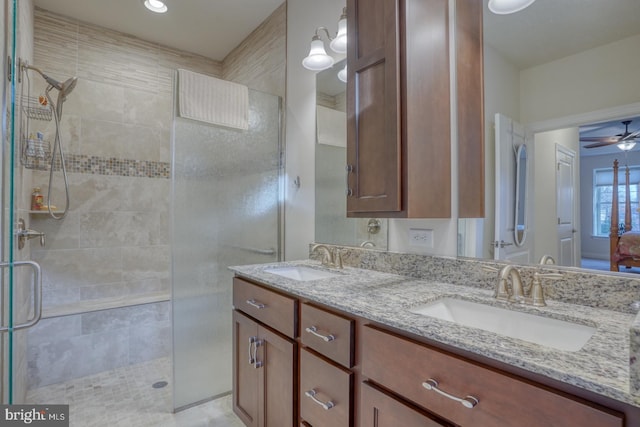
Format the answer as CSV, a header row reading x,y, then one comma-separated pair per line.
x,y
314,331
255,304
312,395
467,402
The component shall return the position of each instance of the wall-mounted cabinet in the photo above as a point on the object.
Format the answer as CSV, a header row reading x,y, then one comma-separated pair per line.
x,y
399,107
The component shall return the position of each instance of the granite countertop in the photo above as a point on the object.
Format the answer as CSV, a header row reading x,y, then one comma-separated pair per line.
x,y
601,366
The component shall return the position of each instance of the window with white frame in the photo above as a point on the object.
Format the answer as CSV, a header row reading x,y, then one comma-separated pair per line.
x,y
603,194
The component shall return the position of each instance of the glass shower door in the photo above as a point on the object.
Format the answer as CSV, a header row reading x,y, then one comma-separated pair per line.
x,y
225,211
7,212
20,278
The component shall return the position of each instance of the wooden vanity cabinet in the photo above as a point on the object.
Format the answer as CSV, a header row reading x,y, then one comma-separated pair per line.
x,y
264,359
405,366
398,109
374,377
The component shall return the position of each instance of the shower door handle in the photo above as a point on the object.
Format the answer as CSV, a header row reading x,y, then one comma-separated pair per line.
x,y
37,294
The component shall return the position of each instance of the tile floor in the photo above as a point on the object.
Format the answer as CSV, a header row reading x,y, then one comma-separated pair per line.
x,y
125,397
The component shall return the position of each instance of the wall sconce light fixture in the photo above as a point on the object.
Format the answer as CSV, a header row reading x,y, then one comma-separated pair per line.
x,y
318,60
342,74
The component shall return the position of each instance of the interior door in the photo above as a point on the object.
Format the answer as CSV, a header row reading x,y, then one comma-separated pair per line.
x,y
565,193
509,135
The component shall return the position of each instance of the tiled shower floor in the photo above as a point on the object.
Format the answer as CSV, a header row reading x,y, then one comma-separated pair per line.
x,y
125,397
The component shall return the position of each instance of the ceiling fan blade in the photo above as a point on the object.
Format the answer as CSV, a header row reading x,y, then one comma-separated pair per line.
x,y
632,135
600,144
607,139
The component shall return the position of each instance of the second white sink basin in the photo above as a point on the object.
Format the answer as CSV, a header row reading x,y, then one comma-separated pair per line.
x,y
301,273
546,331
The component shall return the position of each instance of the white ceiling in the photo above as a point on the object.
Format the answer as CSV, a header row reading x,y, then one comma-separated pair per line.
x,y
552,29
211,28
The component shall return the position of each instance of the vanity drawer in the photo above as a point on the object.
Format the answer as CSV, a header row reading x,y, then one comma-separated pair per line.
x,y
327,333
271,308
380,409
402,366
330,383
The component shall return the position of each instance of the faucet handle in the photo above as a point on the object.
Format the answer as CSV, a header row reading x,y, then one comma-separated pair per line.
x,y
537,291
490,269
338,258
551,276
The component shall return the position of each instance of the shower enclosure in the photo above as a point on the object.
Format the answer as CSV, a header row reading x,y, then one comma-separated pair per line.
x,y
160,206
225,202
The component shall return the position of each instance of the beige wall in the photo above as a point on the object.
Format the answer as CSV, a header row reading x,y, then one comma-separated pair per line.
x,y
596,79
258,61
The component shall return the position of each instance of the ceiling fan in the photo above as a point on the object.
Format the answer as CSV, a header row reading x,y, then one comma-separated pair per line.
x,y
602,141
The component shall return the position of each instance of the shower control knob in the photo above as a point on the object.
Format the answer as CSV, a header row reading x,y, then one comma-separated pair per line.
x,y
25,234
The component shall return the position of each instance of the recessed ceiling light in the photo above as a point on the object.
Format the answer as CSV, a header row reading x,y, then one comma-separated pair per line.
x,y
156,6
504,7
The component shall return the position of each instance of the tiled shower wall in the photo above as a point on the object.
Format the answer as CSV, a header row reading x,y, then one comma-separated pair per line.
x,y
114,243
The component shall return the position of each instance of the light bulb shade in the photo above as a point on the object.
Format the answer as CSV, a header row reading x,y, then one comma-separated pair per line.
x,y
504,7
626,146
339,44
317,60
156,6
342,74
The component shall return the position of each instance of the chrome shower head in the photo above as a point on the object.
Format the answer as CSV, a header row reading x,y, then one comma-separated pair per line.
x,y
67,87
64,88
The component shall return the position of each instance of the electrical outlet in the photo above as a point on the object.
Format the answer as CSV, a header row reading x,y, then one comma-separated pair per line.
x,y
421,237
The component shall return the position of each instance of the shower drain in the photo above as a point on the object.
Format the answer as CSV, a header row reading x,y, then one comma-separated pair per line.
x,y
160,384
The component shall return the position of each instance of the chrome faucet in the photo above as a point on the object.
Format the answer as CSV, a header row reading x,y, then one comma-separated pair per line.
x,y
503,292
532,295
330,259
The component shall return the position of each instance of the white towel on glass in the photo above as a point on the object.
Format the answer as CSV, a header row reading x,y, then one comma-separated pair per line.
x,y
212,100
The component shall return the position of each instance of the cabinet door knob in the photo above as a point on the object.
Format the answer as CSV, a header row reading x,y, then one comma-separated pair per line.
x,y
467,402
314,331
312,395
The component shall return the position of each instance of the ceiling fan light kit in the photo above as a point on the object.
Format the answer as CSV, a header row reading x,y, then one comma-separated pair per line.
x,y
625,141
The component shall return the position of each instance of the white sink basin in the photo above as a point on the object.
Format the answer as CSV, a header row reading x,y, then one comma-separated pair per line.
x,y
301,273
558,334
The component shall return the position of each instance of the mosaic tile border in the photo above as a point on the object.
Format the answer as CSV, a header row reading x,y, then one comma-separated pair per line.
x,y
95,165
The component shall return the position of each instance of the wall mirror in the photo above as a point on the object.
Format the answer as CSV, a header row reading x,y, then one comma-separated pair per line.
x,y
331,222
520,220
544,67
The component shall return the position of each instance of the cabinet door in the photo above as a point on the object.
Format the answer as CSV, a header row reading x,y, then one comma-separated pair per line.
x,y
246,378
379,409
373,107
276,361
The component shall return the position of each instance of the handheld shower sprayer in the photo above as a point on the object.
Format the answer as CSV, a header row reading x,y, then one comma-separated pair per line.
x,y
64,89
